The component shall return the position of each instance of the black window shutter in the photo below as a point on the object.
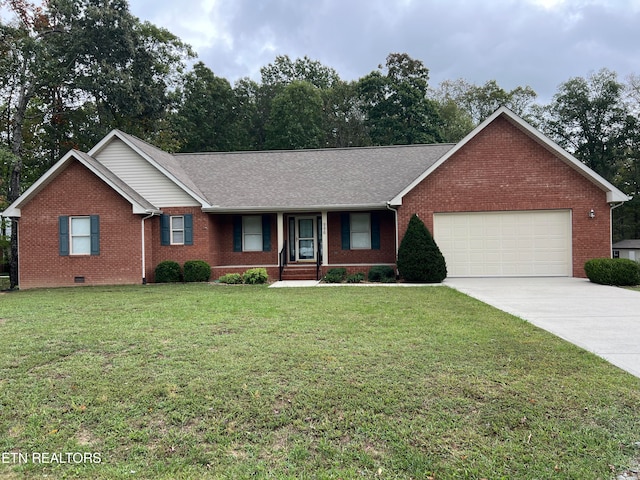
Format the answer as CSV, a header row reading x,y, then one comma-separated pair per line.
x,y
237,233
375,231
95,234
345,225
63,235
165,230
188,229
266,233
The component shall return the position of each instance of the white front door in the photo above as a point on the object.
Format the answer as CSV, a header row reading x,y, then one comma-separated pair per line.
x,y
305,233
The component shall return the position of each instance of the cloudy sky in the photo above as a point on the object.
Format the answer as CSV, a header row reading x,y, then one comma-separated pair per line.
x,y
540,43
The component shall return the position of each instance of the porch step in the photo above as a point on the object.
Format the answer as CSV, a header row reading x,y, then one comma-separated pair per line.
x,y
299,272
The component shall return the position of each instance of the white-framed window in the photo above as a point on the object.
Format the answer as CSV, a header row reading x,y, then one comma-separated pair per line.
x,y
252,233
177,230
360,231
80,235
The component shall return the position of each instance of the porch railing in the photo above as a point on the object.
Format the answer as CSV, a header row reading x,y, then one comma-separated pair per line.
x,y
318,263
282,260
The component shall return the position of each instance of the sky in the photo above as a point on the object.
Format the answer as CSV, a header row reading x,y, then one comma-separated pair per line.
x,y
536,43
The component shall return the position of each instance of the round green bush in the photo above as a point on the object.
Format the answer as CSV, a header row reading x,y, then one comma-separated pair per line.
x,y
335,275
168,272
197,271
613,271
255,276
231,279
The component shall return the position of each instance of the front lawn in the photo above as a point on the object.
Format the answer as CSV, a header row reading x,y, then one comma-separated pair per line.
x,y
200,381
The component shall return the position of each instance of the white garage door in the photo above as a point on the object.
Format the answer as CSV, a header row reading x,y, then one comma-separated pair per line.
x,y
527,243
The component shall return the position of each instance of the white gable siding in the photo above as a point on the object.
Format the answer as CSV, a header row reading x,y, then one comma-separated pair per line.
x,y
142,176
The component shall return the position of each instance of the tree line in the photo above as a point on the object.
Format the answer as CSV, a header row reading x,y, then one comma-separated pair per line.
x,y
72,70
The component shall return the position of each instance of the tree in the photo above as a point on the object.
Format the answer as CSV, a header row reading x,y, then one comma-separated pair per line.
x,y
479,102
295,119
419,258
587,118
396,105
87,56
206,119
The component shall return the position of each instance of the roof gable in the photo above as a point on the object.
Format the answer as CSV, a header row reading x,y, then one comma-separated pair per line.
x,y
614,195
139,204
152,172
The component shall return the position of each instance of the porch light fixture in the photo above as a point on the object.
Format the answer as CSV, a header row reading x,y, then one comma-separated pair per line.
x,y
592,214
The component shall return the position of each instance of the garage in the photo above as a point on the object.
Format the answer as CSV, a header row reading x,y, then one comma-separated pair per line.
x,y
515,243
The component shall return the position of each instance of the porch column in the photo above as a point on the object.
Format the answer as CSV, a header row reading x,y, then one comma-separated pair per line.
x,y
280,223
325,239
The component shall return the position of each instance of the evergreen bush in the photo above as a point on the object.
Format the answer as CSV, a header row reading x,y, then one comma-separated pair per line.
x,y
419,258
255,276
382,273
335,275
231,278
355,277
613,271
168,272
196,271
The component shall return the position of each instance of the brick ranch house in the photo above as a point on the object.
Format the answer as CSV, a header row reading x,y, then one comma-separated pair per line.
x,y
504,201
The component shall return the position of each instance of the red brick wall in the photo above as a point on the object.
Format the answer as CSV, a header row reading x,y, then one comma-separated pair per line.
x,y
386,254
228,261
203,232
77,191
502,169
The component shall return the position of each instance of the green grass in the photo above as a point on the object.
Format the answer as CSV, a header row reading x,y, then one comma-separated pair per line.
x,y
200,381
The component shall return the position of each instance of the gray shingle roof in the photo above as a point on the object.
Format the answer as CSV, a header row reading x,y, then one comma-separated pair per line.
x,y
307,179
630,244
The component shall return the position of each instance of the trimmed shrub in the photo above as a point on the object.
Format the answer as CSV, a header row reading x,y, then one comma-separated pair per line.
x,y
613,271
231,278
419,258
168,272
382,273
355,277
196,271
255,276
335,275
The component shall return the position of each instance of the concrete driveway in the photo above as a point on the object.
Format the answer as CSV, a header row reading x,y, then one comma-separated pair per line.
x,y
601,319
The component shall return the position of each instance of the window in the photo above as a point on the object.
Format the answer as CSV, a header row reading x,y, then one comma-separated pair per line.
x,y
252,234
79,235
360,231
176,229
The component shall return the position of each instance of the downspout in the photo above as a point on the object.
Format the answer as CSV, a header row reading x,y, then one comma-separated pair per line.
x,y
144,253
395,211
611,209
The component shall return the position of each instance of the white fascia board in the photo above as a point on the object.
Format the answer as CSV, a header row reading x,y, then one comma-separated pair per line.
x,y
309,208
613,193
123,137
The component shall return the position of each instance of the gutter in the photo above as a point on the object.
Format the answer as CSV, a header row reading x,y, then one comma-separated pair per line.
x,y
395,211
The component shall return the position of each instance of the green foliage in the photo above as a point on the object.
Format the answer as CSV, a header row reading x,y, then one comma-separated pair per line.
x,y
355,277
335,275
168,272
231,278
255,276
295,120
382,273
613,271
196,271
419,258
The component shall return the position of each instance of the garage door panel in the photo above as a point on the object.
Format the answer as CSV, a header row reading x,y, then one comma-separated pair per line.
x,y
524,243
